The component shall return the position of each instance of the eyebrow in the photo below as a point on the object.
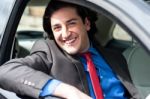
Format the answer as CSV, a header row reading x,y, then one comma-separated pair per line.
x,y
73,19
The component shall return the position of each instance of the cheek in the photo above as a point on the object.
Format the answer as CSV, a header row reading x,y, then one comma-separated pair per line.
x,y
56,35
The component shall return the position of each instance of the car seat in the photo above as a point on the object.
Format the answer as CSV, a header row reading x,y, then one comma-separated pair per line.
x,y
19,51
138,61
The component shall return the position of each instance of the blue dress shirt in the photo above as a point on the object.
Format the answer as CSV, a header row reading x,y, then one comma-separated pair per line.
x,y
49,87
111,86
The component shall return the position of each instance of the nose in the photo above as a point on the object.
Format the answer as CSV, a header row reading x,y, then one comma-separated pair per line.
x,y
65,32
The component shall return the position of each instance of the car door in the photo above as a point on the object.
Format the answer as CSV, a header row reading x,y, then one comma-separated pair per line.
x,y
118,11
10,12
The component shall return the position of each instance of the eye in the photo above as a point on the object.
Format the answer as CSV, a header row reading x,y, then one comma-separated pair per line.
x,y
56,28
72,23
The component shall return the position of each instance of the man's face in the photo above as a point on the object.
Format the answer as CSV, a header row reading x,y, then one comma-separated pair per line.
x,y
69,31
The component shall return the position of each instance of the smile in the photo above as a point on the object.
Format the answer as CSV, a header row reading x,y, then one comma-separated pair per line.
x,y
71,41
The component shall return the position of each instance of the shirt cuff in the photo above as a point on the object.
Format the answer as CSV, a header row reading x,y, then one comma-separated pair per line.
x,y
49,87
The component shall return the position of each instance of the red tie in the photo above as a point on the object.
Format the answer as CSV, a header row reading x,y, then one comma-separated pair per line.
x,y
94,78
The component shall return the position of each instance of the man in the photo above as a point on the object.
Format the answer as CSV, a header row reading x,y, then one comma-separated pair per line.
x,y
59,68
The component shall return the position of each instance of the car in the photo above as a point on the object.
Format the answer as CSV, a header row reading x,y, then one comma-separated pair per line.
x,y
123,25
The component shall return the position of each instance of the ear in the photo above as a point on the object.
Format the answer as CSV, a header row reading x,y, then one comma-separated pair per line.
x,y
87,24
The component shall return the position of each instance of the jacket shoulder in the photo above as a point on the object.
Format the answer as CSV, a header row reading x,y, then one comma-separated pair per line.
x,y
42,46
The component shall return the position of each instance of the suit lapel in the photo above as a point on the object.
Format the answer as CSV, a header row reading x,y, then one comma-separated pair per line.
x,y
79,66
73,64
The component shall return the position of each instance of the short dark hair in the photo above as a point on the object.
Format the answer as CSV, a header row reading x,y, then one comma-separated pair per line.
x,y
83,12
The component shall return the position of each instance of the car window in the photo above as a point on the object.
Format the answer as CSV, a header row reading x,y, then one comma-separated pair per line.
x,y
30,27
120,34
32,18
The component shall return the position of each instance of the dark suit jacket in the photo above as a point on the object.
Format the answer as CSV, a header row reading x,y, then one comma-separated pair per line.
x,y
27,76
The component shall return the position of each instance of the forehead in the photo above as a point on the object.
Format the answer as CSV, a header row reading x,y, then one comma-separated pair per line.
x,y
64,14
65,9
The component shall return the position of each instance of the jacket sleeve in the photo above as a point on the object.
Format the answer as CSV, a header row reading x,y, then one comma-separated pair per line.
x,y
27,76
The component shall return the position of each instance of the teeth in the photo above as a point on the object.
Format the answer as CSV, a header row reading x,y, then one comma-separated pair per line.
x,y
70,41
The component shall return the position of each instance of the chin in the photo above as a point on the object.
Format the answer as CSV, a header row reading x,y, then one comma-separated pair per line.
x,y
71,51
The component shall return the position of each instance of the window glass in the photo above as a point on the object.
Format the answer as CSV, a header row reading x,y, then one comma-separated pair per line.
x,y
32,18
30,27
120,34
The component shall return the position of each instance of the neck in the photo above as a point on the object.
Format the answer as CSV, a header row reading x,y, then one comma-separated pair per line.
x,y
86,49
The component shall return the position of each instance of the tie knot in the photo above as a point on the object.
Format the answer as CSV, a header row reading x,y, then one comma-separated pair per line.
x,y
87,56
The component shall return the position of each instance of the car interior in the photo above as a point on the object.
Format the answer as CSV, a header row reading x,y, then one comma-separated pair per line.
x,y
138,59
139,65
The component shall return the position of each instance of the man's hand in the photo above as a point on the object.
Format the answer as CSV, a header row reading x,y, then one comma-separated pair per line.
x,y
69,92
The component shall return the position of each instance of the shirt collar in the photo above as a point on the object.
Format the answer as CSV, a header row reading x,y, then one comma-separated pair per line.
x,y
92,50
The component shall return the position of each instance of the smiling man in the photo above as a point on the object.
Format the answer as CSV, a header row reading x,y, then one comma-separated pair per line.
x,y
69,64
69,31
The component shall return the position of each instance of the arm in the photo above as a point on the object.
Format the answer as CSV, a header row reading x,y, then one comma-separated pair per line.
x,y
60,89
26,76
69,92
22,79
